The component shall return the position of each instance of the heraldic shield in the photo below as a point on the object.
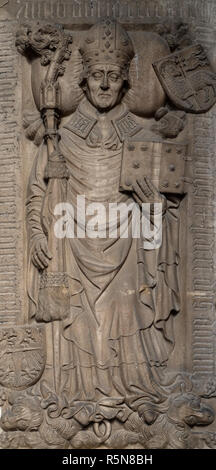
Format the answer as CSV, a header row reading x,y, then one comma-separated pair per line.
x,y
22,356
188,79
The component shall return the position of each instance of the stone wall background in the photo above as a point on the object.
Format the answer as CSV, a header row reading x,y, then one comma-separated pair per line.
x,y
196,327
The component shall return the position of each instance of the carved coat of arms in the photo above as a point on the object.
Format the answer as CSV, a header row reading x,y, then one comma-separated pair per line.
x,y
188,79
22,356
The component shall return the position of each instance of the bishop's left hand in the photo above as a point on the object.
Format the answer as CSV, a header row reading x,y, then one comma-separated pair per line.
x,y
144,191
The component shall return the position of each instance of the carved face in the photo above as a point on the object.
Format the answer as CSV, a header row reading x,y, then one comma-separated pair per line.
x,y
189,409
25,413
104,87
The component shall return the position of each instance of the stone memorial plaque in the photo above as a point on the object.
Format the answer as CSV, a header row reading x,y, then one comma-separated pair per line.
x,y
107,323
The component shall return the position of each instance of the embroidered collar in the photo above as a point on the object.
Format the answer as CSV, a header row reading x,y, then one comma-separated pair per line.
x,y
86,116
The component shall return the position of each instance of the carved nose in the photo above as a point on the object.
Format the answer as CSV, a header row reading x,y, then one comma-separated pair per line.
x,y
104,84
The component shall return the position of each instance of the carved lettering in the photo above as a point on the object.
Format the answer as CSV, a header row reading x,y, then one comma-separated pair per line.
x,y
104,342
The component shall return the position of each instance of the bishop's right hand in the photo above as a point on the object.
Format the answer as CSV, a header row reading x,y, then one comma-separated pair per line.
x,y
41,255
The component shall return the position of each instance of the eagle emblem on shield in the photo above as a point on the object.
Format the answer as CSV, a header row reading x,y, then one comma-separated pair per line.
x,y
188,79
22,356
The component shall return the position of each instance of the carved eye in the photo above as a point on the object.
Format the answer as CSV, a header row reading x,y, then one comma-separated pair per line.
x,y
196,403
97,75
191,420
114,77
22,424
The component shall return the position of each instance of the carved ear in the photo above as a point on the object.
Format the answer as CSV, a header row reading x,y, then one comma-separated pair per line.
x,y
83,86
183,387
12,397
186,386
36,420
45,390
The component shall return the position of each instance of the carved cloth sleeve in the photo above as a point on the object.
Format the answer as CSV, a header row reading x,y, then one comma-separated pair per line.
x,y
35,196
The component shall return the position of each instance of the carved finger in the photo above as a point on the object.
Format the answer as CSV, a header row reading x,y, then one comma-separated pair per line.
x,y
145,188
37,262
44,249
143,197
137,199
42,258
152,187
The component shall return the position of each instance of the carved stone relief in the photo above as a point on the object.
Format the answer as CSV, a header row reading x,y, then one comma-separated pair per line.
x,y
114,342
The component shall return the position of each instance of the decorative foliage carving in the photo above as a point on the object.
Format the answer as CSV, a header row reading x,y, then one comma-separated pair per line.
x,y
43,40
176,34
209,388
43,420
169,122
